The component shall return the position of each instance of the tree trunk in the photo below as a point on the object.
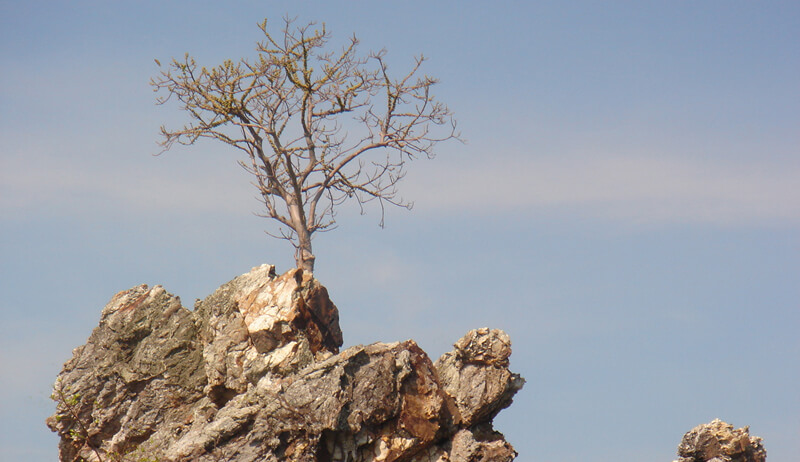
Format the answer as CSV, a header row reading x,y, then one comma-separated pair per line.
x,y
304,257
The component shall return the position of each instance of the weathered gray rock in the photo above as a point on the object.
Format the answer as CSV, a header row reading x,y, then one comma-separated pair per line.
x,y
140,368
254,374
476,375
477,444
717,441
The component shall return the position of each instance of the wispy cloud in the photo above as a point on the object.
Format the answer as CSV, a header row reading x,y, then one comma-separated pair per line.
x,y
144,185
634,189
627,188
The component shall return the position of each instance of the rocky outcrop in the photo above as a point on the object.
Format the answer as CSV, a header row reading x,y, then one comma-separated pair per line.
x,y
255,373
717,441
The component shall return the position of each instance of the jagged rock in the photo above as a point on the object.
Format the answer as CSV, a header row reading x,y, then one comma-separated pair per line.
x,y
478,444
141,367
262,322
476,375
254,374
717,441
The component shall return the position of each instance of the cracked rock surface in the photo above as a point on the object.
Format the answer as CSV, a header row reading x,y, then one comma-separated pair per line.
x,y
254,373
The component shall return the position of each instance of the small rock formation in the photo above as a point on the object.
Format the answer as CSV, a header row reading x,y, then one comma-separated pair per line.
x,y
717,441
254,373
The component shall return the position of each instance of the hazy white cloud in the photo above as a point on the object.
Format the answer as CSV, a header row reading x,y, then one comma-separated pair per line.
x,y
32,183
628,188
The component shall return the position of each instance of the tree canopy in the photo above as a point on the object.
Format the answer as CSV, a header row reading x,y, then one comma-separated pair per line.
x,y
317,127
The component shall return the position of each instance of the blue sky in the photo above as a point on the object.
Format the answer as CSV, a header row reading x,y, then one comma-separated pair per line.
x,y
625,206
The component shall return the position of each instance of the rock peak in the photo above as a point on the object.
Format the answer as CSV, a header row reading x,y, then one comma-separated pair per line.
x,y
255,373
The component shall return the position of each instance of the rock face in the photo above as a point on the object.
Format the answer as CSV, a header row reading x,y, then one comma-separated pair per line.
x,y
717,441
254,373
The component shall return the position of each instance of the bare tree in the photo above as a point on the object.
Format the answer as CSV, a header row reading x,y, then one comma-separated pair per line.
x,y
318,127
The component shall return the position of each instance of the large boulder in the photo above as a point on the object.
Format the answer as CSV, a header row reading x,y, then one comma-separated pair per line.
x,y
254,373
